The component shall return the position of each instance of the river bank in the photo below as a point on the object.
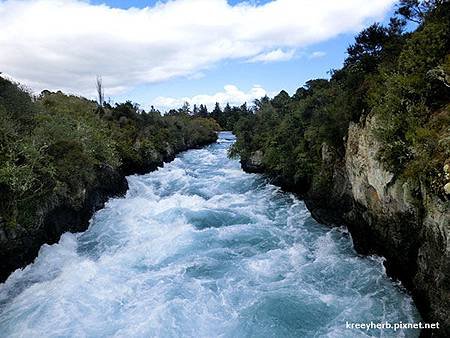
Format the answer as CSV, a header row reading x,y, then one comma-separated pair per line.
x,y
20,245
201,248
404,223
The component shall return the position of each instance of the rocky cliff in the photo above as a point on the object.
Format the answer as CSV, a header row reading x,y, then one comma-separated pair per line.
x,y
402,221
20,245
387,215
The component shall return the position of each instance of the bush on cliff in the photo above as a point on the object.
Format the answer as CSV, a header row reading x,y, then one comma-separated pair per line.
x,y
401,78
53,147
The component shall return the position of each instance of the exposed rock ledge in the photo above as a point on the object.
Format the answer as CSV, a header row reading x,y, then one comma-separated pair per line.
x,y
406,224
20,246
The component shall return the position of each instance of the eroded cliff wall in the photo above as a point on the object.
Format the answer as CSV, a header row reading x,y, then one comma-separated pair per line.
x,y
400,220
390,216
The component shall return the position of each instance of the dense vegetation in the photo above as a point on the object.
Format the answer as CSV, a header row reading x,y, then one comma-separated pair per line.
x,y
53,147
398,78
226,117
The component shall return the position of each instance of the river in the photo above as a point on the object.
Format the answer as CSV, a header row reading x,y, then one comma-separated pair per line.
x,y
201,249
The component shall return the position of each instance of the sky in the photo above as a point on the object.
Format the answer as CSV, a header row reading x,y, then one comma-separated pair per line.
x,y
163,53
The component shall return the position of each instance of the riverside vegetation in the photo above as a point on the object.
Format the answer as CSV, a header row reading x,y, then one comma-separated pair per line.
x,y
62,156
370,148
400,78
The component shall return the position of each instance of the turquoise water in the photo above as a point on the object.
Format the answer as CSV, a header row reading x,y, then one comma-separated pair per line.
x,y
201,249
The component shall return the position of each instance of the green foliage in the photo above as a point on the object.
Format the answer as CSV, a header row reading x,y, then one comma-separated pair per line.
x,y
229,116
402,80
53,148
411,100
417,10
16,101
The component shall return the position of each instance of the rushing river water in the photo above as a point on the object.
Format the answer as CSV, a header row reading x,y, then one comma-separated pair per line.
x,y
202,249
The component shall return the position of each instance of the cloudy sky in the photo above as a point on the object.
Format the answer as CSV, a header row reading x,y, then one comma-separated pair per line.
x,y
167,52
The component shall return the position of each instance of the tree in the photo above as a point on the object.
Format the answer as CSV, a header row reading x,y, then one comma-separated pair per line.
x,y
227,109
417,10
153,110
185,109
100,92
203,111
259,103
366,50
300,94
217,111
172,112
217,114
244,109
195,110
281,102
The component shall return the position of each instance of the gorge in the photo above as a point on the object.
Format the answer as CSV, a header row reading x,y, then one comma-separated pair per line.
x,y
200,248
208,210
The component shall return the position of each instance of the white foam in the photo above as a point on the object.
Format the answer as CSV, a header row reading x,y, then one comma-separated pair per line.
x,y
160,263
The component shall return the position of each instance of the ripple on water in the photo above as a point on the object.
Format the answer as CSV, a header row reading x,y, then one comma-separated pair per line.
x,y
201,249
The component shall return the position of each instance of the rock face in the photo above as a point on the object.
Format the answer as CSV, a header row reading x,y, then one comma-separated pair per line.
x,y
254,163
19,245
387,216
405,223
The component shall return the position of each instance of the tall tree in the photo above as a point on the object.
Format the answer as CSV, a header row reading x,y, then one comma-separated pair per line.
x,y
185,109
100,92
203,111
417,10
195,110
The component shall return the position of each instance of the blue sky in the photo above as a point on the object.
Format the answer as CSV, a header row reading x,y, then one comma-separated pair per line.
x,y
274,76
144,3
164,53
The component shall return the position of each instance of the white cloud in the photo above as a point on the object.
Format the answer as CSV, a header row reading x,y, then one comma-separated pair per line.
x,y
317,55
273,56
231,94
64,44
